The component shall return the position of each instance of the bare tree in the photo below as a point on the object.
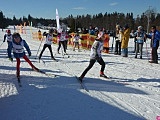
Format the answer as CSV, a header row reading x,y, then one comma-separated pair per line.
x,y
149,13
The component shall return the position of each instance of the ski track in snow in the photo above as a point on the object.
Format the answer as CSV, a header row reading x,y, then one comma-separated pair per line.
x,y
132,90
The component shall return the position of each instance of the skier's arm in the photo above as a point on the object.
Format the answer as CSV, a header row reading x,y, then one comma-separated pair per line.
x,y
4,38
27,48
9,49
96,44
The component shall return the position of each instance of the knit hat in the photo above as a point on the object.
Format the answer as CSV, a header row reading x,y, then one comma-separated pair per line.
x,y
15,35
140,27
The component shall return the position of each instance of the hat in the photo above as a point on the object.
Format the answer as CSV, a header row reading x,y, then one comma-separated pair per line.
x,y
100,34
140,27
126,26
8,31
15,35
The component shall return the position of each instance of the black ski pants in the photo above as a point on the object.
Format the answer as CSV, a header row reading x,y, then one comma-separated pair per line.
x,y
91,63
44,47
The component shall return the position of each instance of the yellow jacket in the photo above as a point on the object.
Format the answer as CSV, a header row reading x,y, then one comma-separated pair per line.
x,y
125,38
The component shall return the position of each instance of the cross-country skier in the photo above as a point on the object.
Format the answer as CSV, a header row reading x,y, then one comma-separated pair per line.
x,y
95,55
61,37
18,45
8,37
48,43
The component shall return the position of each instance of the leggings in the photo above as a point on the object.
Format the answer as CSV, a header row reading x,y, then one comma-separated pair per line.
x,y
27,60
91,63
44,47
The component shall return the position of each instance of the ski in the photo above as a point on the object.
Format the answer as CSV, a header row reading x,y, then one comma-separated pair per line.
x,y
42,61
54,60
47,74
82,84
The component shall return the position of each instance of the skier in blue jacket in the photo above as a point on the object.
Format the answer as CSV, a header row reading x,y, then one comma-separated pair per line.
x,y
18,45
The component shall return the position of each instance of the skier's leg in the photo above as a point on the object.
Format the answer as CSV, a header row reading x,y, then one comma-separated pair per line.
x,y
18,67
91,63
64,47
50,49
59,46
30,63
44,47
102,63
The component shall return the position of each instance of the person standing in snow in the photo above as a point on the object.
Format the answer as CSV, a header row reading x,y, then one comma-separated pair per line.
x,y
125,39
140,39
155,37
95,55
61,37
48,43
18,45
118,40
8,37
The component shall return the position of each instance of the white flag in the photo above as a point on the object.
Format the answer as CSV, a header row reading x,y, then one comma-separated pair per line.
x,y
57,21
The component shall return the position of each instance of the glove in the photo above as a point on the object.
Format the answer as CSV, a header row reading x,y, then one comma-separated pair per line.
x,y
29,54
11,59
3,41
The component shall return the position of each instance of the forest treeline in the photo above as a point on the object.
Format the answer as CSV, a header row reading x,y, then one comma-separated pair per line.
x,y
107,20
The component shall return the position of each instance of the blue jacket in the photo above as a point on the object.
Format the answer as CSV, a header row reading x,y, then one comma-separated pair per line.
x,y
18,55
155,42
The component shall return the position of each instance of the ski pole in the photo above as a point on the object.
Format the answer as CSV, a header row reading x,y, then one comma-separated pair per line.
x,y
147,52
38,49
1,44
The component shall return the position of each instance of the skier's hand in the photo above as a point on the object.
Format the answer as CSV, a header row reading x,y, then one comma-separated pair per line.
x,y
3,41
29,54
11,59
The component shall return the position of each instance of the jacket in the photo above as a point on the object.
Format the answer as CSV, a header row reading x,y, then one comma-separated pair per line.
x,y
18,48
96,49
125,38
156,38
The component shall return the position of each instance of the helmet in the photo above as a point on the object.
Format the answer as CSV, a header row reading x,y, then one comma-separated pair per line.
x,y
8,31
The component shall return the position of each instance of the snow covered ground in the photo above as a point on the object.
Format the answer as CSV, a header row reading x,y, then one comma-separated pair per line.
x,y
132,93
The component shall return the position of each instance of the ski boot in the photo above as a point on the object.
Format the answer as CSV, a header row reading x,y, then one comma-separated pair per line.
x,y
103,75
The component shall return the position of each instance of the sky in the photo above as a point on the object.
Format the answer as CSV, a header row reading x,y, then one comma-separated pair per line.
x,y
46,9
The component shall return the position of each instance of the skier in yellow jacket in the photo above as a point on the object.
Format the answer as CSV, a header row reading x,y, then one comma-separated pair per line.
x,y
125,39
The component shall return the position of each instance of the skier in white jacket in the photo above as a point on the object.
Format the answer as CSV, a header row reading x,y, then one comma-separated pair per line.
x,y
48,43
95,55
